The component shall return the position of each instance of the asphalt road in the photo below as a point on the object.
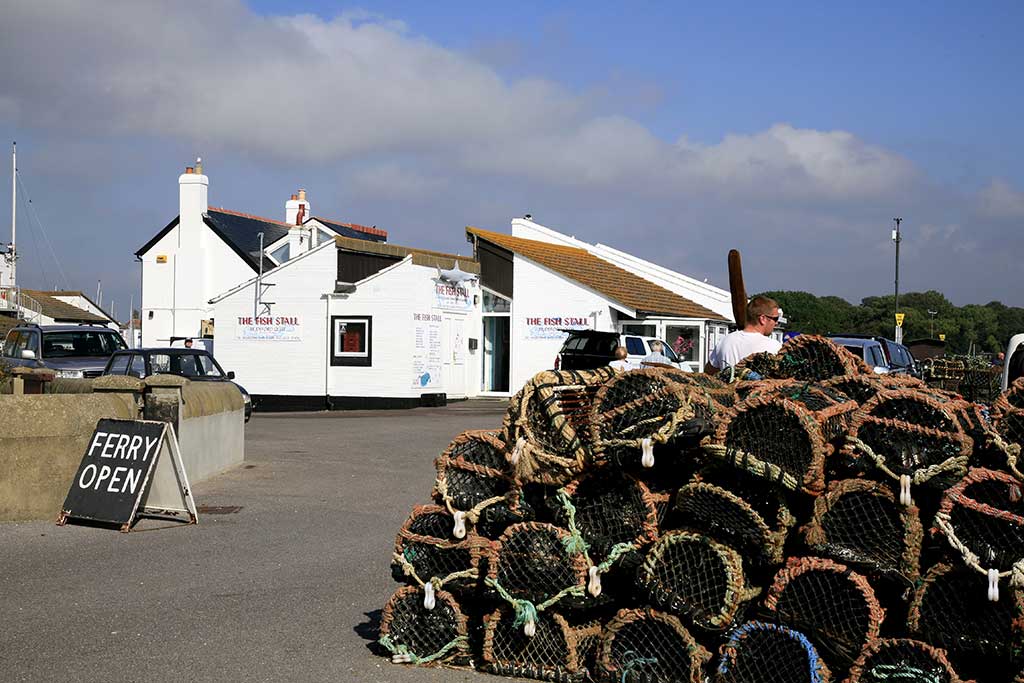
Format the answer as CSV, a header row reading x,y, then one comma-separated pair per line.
x,y
288,588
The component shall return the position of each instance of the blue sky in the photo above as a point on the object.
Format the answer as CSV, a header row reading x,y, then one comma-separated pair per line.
x,y
792,131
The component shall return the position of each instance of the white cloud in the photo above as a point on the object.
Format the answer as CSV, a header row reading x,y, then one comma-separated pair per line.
x,y
1001,200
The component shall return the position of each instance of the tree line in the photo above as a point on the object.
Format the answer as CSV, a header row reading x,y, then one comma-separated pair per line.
x,y
977,328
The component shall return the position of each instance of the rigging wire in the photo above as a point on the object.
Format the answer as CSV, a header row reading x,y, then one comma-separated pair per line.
x,y
34,215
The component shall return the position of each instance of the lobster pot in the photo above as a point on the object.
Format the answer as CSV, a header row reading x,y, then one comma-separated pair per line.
x,y
947,612
1009,415
426,550
982,517
861,388
943,373
646,646
545,425
860,523
755,367
738,510
714,394
834,606
557,651
783,434
759,652
898,381
634,410
474,480
1012,398
902,659
538,562
417,635
689,575
990,449
909,437
810,358
609,510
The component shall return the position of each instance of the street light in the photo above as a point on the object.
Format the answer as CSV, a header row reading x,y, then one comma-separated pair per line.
x,y
933,314
897,239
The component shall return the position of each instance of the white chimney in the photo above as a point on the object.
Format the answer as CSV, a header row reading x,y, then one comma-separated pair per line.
x,y
291,208
192,204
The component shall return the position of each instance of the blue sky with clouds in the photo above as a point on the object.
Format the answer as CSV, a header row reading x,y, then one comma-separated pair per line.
x,y
792,131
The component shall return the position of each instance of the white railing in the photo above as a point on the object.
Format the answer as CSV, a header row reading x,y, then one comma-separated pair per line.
x,y
24,306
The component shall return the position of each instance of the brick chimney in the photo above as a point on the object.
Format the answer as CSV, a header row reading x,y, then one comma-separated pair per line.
x,y
291,208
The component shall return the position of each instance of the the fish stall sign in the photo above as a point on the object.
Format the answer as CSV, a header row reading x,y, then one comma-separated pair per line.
x,y
553,326
269,328
452,289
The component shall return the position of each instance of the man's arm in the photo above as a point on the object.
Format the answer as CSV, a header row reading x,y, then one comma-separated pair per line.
x,y
710,369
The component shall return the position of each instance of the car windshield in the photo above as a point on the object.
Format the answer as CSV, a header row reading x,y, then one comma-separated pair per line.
x,y
65,343
185,364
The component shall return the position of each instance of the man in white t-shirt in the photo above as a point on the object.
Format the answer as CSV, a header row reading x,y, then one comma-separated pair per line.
x,y
762,316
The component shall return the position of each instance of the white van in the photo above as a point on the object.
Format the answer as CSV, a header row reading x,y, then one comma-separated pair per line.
x,y
1013,362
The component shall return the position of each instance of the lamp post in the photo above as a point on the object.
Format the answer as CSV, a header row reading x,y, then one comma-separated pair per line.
x,y
933,314
897,239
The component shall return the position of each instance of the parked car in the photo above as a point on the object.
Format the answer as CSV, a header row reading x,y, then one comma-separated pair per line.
x,y
1013,361
591,349
77,351
896,358
195,364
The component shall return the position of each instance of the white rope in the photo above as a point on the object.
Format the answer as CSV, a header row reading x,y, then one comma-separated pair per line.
x,y
905,499
401,658
993,585
530,628
517,451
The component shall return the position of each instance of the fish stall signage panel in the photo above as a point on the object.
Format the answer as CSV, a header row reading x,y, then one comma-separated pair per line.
x,y
269,328
551,326
453,297
129,467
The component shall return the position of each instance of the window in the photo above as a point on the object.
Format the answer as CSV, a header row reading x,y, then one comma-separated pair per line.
x,y
684,340
635,346
351,340
496,304
207,367
323,236
81,343
187,366
666,351
877,358
12,337
160,363
642,330
138,366
118,365
281,253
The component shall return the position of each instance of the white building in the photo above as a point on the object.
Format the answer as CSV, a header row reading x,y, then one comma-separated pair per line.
x,y
313,313
534,288
206,251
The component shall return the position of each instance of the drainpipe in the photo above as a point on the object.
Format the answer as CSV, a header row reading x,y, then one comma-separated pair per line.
x,y
327,358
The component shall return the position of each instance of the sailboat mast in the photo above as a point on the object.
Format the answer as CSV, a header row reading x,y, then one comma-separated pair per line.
x,y
14,214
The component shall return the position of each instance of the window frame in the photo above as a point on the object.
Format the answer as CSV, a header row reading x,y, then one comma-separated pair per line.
x,y
351,358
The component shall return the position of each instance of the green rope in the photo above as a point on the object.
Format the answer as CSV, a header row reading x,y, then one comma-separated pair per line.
x,y
617,551
575,543
525,612
525,608
403,649
631,660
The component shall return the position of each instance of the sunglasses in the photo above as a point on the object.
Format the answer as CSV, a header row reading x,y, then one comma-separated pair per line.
x,y
773,317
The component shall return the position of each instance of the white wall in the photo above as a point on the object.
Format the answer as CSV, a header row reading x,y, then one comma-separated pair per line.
x,y
534,285
301,368
171,290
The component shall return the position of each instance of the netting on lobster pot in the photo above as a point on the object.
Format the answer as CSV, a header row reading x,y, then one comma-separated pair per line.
x,y
720,394
647,646
557,651
859,522
911,437
902,659
834,606
535,566
545,426
1008,422
475,483
633,411
947,612
428,554
860,388
609,515
1012,398
690,575
736,509
783,437
899,381
982,518
759,652
423,635
811,358
756,366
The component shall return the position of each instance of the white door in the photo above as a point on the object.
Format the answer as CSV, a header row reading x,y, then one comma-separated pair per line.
x,y
455,356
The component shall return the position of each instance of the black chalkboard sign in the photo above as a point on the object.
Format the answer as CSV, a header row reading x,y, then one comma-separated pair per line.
x,y
117,469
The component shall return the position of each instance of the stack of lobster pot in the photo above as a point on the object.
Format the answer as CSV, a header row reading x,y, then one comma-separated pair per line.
x,y
795,518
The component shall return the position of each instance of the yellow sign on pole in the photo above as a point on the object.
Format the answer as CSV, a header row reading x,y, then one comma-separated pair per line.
x,y
942,337
899,319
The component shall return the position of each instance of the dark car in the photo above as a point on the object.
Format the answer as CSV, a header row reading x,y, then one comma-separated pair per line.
x,y
591,349
77,351
195,364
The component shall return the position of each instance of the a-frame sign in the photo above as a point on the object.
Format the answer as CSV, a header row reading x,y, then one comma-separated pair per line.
x,y
131,468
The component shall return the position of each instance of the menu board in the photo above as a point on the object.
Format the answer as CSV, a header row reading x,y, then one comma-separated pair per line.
x,y
426,350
